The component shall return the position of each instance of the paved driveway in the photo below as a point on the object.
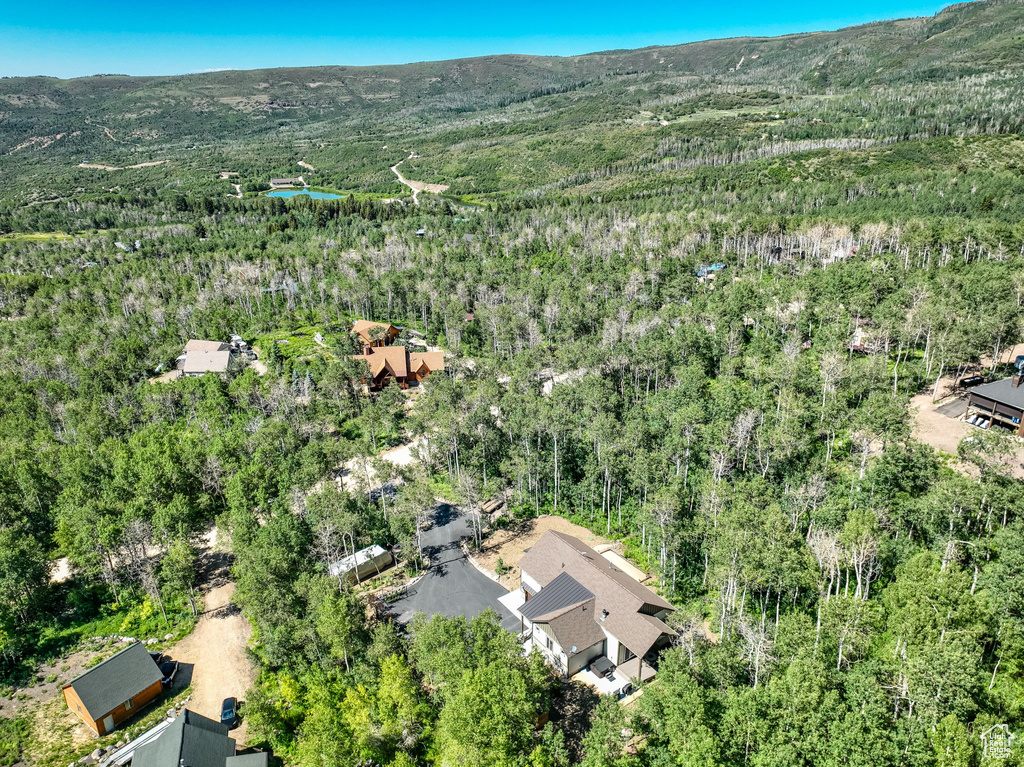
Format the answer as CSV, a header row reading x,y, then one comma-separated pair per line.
x,y
452,586
953,409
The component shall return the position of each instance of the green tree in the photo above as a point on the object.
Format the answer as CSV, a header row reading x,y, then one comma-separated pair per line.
x,y
489,720
178,570
607,742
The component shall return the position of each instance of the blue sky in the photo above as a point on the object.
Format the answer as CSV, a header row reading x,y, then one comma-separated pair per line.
x,y
71,39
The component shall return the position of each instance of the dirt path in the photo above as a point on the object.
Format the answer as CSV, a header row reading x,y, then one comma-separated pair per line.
x,y
213,655
360,469
238,189
40,142
111,135
933,428
60,569
417,186
97,166
304,164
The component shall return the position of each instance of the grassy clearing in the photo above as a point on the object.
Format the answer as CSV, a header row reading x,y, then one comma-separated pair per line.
x,y
87,617
14,734
300,342
34,236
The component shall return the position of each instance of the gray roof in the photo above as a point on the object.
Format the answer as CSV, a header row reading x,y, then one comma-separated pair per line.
x,y
1002,391
255,759
191,741
576,629
559,595
120,677
625,600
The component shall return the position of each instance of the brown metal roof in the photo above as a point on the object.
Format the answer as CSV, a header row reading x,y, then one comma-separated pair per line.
x,y
615,591
563,593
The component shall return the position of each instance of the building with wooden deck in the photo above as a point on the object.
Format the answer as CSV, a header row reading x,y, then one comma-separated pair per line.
x,y
998,405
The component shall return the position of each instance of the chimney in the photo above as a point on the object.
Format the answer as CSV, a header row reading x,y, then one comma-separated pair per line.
x,y
1015,381
367,350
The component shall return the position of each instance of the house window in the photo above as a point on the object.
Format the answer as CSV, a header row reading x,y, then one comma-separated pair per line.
x,y
128,704
625,653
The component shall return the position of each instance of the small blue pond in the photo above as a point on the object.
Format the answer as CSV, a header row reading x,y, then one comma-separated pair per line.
x,y
296,192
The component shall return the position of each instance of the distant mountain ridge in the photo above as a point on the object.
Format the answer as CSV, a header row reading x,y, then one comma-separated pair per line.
x,y
962,39
525,124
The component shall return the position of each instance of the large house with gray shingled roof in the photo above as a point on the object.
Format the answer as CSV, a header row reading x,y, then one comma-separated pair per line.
x,y
583,611
998,405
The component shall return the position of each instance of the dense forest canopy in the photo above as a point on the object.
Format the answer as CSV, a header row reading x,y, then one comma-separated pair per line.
x,y
846,594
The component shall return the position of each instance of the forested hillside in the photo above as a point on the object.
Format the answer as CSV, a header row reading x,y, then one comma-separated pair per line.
x,y
846,594
503,124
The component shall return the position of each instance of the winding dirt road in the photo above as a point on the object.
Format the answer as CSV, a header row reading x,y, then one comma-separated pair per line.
x,y
97,166
417,186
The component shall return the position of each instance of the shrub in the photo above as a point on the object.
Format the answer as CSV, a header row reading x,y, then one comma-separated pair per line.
x,y
13,736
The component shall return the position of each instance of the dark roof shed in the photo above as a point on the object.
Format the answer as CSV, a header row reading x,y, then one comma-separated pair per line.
x,y
117,679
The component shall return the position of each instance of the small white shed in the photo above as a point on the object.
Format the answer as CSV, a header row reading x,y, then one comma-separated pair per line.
x,y
362,564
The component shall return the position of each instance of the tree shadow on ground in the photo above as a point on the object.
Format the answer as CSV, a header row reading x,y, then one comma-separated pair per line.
x,y
571,708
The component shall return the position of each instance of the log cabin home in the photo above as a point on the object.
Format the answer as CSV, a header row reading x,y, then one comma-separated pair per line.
x,y
116,689
398,364
374,333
